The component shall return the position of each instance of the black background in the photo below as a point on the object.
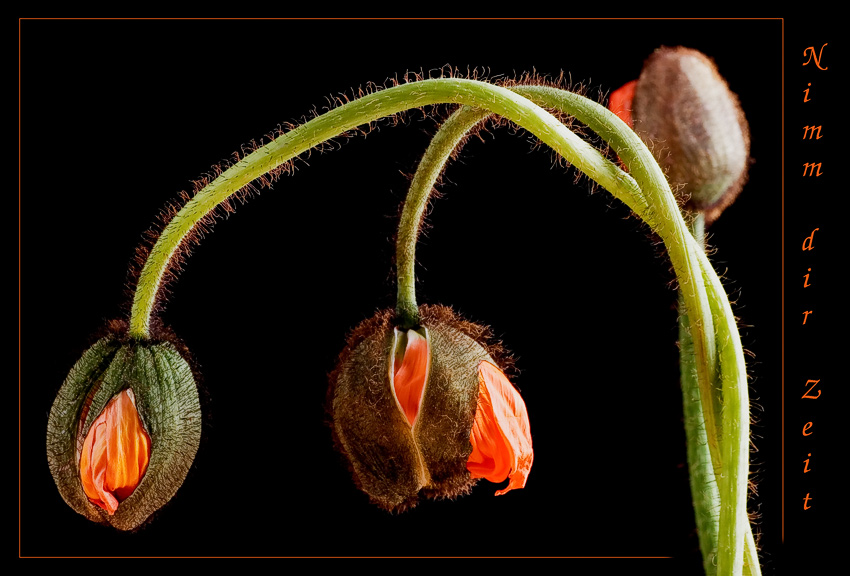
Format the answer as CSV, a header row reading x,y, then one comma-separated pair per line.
x,y
119,116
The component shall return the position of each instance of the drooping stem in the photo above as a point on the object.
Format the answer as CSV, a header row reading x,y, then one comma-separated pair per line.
x,y
644,190
715,334
663,216
371,107
704,284
443,145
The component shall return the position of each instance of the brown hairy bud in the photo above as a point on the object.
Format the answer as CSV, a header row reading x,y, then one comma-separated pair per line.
x,y
695,126
426,411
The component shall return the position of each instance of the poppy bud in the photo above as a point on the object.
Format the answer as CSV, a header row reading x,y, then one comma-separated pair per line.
x,y
426,411
694,125
124,430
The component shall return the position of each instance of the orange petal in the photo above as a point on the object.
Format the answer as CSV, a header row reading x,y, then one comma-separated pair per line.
x,y
411,374
115,453
620,102
501,436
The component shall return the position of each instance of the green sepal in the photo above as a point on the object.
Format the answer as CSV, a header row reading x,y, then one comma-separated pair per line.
x,y
168,405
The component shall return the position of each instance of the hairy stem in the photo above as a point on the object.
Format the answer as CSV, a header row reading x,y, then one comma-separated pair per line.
x,y
713,329
645,190
443,145
704,491
705,295
734,523
371,107
703,481
663,216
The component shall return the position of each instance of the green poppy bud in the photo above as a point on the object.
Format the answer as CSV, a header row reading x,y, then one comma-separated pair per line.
x,y
124,430
426,411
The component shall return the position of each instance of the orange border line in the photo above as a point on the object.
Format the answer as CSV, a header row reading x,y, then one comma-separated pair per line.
x,y
355,557
20,183
782,300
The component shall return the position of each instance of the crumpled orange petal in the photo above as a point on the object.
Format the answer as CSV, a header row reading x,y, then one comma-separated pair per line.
x,y
410,375
501,436
620,102
115,453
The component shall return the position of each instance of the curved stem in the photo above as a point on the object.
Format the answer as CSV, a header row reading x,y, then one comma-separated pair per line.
x,y
707,306
496,99
663,216
447,140
707,302
658,207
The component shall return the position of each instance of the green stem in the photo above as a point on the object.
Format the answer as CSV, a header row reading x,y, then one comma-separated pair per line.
x,y
734,523
704,490
751,556
707,305
703,481
698,230
447,140
663,216
707,297
658,208
497,100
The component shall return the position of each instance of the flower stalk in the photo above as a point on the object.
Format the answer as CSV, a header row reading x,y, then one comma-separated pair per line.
x,y
704,434
444,144
494,99
717,348
707,306
704,489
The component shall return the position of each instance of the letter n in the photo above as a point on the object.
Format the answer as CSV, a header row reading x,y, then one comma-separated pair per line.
x,y
811,52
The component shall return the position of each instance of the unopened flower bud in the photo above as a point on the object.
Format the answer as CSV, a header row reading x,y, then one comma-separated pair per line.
x,y
426,411
694,125
124,430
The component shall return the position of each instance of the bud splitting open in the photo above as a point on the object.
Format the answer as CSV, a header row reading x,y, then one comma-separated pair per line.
x,y
124,430
426,411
